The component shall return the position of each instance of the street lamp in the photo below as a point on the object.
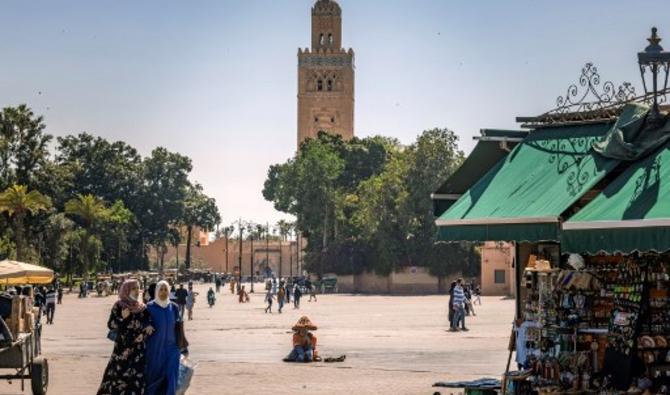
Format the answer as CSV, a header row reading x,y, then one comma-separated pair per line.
x,y
655,59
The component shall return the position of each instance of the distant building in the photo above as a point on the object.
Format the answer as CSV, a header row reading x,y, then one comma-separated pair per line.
x,y
497,272
219,256
326,77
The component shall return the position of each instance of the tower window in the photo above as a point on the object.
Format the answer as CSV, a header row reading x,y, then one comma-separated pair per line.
x,y
330,39
332,119
316,119
319,85
330,85
321,39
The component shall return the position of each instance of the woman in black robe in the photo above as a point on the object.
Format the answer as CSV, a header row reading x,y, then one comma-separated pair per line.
x,y
130,322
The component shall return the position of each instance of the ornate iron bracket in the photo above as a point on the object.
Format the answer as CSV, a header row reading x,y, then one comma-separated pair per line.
x,y
589,101
574,101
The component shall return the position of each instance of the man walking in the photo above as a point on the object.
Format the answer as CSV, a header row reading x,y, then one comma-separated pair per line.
x,y
50,305
297,295
281,294
217,283
180,295
459,307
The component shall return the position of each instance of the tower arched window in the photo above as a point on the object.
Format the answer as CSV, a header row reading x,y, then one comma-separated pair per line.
x,y
330,39
319,85
330,84
321,39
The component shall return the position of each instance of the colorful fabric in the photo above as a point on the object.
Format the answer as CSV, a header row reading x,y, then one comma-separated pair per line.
x,y
125,370
125,301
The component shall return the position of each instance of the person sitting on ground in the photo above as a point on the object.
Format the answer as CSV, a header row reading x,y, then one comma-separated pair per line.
x,y
304,342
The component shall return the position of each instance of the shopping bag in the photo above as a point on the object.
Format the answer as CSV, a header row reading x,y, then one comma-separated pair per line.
x,y
186,369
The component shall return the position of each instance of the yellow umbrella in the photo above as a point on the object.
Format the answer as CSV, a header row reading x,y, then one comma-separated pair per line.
x,y
16,273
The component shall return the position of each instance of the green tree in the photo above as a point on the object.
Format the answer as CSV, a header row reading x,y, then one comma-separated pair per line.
x,y
18,203
55,233
91,212
24,147
108,170
114,235
285,228
162,199
200,211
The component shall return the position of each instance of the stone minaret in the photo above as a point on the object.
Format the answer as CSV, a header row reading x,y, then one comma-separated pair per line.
x,y
326,77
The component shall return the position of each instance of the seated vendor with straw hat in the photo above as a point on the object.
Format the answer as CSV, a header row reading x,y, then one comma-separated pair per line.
x,y
304,342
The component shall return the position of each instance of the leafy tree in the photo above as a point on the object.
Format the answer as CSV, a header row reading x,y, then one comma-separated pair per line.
x,y
163,194
200,211
23,146
91,212
284,228
57,229
364,203
114,235
108,170
18,203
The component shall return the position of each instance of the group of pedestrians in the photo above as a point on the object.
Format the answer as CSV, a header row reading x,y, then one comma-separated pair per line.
x,y
461,304
148,340
283,292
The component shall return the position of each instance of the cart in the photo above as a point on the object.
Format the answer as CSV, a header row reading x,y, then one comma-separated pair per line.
x,y
22,360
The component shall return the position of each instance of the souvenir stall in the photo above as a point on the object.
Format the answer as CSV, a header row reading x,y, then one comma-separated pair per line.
x,y
594,324
593,316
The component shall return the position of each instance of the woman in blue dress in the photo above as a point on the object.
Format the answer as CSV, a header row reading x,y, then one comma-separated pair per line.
x,y
162,353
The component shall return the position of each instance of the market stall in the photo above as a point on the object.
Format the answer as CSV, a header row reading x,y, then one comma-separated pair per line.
x,y
596,323
19,273
585,199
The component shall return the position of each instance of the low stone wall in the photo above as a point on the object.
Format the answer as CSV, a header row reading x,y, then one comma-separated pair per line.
x,y
410,281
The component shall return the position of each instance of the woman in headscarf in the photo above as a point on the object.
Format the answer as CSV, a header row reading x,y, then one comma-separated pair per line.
x,y
162,368
132,324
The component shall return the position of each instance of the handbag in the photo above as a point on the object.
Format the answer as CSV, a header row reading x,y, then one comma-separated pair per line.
x,y
182,343
111,335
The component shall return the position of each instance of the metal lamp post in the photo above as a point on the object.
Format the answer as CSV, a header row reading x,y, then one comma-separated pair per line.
x,y
251,241
239,272
654,59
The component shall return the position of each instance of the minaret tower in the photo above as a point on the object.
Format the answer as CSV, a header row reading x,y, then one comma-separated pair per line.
x,y
326,77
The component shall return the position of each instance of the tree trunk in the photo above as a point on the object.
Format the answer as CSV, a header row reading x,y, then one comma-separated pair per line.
x,y
85,252
324,235
187,259
19,236
118,257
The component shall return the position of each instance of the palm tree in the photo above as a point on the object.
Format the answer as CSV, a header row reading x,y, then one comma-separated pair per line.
x,y
17,202
91,211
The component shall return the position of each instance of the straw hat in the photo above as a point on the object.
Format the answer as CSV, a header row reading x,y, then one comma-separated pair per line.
x,y
304,323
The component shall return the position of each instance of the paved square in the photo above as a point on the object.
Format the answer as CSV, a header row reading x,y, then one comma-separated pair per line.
x,y
394,345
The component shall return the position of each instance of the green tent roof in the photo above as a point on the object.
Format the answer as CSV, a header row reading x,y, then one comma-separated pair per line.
x,y
631,214
523,197
492,146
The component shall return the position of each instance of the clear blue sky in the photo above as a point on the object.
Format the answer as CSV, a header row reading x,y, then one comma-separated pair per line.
x,y
216,80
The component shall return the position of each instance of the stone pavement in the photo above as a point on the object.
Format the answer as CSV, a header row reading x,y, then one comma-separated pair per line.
x,y
394,345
